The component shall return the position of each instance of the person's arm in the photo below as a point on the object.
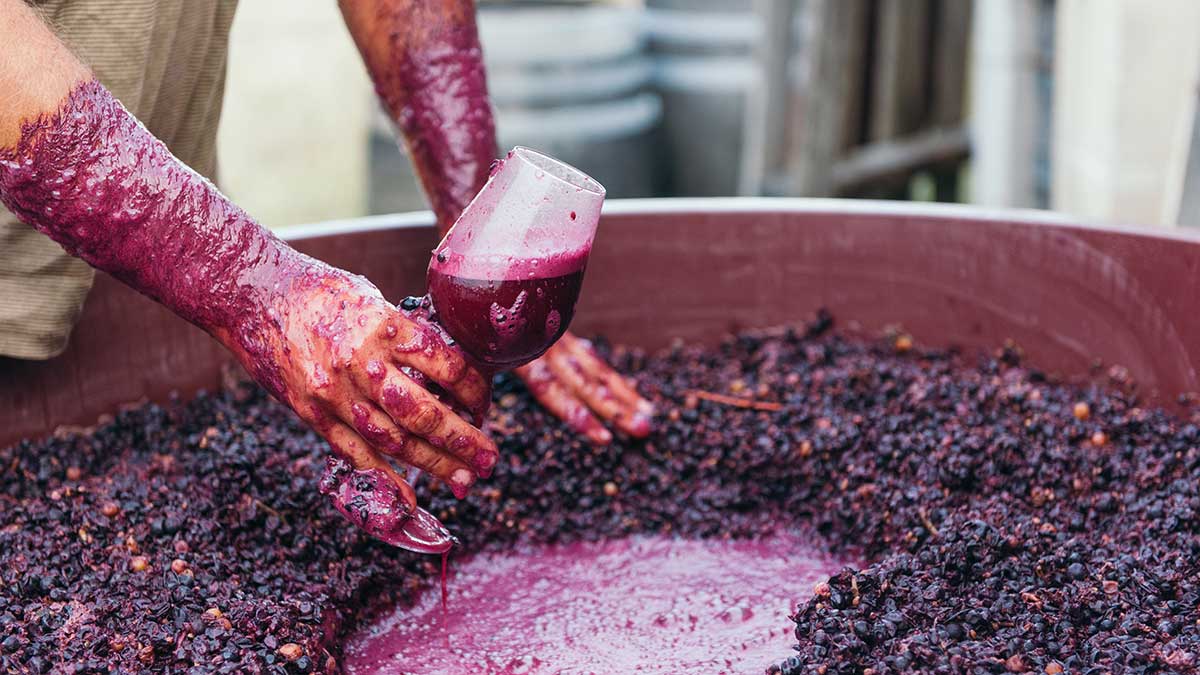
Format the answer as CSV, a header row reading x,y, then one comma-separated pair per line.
x,y
80,168
427,66
426,62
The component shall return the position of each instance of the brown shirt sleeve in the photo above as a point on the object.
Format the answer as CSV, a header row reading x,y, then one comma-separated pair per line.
x,y
165,61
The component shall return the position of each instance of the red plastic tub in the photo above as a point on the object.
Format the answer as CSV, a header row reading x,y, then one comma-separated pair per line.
x,y
1074,297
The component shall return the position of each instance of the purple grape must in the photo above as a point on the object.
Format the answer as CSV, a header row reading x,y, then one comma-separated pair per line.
x,y
1002,530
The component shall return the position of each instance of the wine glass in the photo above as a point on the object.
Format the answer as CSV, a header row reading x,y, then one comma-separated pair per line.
x,y
505,279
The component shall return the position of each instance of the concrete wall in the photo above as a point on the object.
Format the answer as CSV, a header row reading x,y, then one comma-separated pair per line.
x,y
1125,81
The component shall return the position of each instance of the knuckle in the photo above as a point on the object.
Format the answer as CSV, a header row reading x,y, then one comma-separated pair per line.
x,y
435,464
374,369
455,365
323,401
317,379
401,446
425,418
407,337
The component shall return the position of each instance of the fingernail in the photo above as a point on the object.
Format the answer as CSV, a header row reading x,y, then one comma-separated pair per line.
x,y
460,481
485,460
424,534
602,436
639,424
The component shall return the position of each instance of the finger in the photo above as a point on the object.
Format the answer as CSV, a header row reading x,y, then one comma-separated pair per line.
x,y
376,499
561,401
348,445
421,414
421,348
380,431
564,368
603,389
568,369
598,369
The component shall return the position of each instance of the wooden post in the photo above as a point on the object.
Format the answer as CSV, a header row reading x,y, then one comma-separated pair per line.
x,y
899,101
1184,182
951,35
765,122
951,20
834,40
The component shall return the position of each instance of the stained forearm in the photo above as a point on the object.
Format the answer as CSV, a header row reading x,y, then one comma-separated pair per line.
x,y
425,60
81,169
92,178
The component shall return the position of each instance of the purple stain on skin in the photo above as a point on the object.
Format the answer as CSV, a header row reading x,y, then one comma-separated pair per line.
x,y
92,178
117,199
370,500
374,369
642,419
398,401
371,432
437,94
485,461
359,411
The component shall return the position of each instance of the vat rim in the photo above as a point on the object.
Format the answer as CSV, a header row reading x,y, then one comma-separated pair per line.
x,y
655,206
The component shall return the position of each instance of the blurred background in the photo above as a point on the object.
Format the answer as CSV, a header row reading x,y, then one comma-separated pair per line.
x,y
1082,106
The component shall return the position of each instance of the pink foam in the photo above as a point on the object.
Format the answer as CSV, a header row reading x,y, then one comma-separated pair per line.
x,y
646,605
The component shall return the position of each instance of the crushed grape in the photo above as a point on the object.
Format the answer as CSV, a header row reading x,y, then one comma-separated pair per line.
x,y
1004,530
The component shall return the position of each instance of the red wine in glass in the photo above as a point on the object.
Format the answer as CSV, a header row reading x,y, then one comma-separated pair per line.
x,y
508,322
505,280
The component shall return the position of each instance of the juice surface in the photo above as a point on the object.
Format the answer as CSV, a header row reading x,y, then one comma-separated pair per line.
x,y
637,605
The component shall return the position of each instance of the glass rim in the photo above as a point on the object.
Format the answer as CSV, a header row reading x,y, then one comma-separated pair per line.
x,y
559,170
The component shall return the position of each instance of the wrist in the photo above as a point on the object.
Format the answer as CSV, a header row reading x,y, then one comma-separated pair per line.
x,y
285,302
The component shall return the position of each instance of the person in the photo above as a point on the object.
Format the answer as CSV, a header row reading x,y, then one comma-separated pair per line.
x,y
106,156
